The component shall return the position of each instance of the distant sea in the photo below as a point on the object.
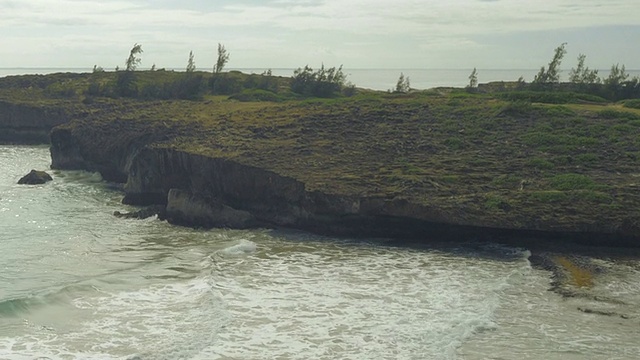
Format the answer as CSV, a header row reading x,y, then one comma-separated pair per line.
x,y
377,79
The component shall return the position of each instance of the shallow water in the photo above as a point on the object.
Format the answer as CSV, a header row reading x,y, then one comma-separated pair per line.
x,y
78,283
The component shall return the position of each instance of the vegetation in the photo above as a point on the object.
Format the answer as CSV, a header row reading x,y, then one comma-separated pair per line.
x,y
582,75
223,59
473,79
403,85
191,64
551,74
132,62
504,155
322,83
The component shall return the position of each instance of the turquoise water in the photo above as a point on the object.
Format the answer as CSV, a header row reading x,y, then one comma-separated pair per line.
x,y
78,283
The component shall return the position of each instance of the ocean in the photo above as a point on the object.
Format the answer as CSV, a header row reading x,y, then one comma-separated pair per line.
x,y
78,283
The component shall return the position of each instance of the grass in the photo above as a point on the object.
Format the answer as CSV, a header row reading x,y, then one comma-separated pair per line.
x,y
496,202
549,196
540,163
565,182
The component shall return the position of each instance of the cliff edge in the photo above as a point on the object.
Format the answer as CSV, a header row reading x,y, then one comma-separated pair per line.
x,y
416,166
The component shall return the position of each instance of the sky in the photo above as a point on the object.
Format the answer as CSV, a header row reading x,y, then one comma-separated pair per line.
x,y
369,34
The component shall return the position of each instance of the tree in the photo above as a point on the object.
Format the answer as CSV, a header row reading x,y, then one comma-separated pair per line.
x,y
582,75
153,67
97,69
133,61
223,58
616,77
552,73
403,85
191,65
473,79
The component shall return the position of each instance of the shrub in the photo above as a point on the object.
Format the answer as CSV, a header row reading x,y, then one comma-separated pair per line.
x,y
633,104
548,97
590,98
226,83
349,90
541,164
592,196
614,114
565,182
517,108
450,179
321,83
549,196
125,84
558,111
60,90
264,81
586,159
453,143
255,95
541,138
185,87
497,202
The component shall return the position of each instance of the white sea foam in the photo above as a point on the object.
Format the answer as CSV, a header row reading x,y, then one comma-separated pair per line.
x,y
243,247
172,321
330,304
79,176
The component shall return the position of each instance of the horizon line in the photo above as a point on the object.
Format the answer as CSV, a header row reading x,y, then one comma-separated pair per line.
x,y
284,68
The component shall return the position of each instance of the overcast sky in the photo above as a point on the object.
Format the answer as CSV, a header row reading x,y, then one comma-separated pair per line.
x,y
421,34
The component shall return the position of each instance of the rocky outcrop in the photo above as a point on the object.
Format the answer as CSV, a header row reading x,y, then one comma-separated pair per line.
x,y
25,124
200,190
35,177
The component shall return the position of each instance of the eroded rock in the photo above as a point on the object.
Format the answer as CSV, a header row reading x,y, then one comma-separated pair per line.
x,y
35,177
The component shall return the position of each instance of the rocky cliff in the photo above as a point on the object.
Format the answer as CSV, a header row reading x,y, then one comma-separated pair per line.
x,y
28,123
200,190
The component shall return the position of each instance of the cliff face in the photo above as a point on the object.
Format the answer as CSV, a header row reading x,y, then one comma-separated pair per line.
x,y
26,124
206,191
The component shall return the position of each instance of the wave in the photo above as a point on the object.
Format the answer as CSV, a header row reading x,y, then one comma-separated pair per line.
x,y
244,247
79,176
161,321
27,304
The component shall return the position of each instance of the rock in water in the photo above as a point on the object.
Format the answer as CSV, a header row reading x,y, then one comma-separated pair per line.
x,y
35,177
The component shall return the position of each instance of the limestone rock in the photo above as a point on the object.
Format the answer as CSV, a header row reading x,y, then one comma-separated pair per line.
x,y
35,177
187,209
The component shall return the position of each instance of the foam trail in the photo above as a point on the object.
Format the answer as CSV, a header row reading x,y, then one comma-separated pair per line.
x,y
244,247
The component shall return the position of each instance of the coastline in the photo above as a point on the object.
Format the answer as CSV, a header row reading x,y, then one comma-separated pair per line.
x,y
436,162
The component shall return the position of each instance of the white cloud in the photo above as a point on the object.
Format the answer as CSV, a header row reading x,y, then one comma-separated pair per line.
x,y
289,31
